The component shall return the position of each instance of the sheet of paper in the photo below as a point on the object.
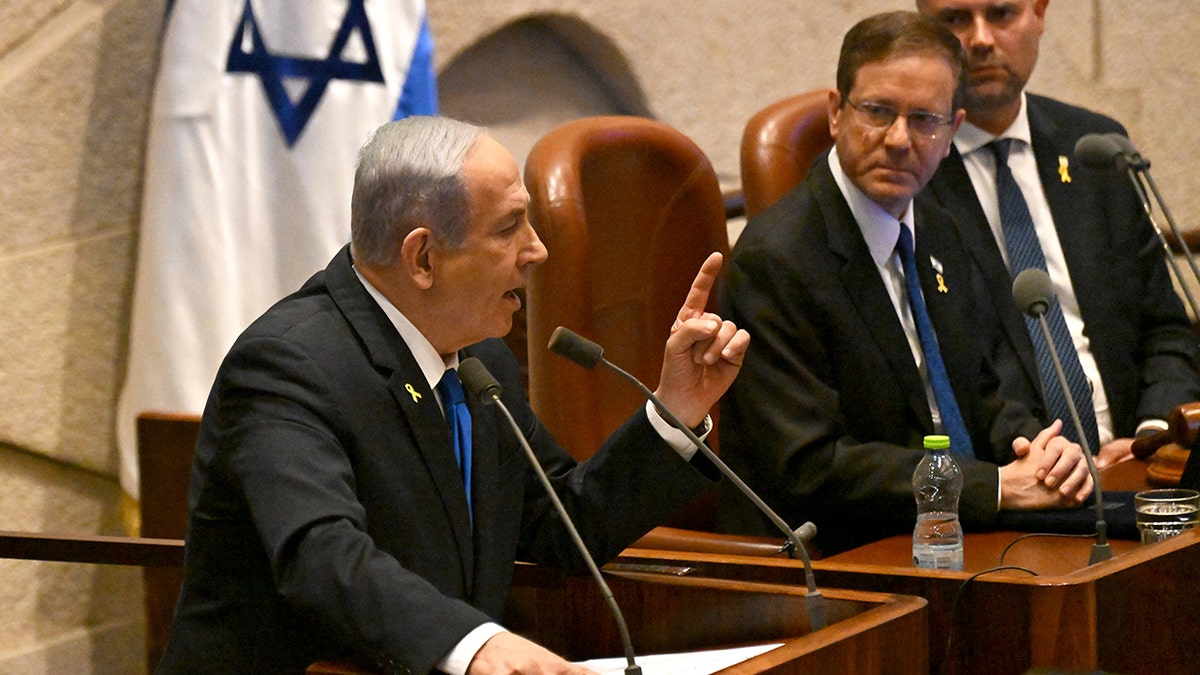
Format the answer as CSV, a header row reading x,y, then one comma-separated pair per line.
x,y
686,663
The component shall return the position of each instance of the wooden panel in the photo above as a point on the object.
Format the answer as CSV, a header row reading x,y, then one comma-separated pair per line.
x,y
867,632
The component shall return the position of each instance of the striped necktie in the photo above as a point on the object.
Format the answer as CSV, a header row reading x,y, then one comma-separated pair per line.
x,y
1024,252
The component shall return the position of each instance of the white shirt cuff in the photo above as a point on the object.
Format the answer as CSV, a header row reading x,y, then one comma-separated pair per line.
x,y
674,437
458,659
1157,425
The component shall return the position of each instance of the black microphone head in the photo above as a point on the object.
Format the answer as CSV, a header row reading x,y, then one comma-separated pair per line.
x,y
1032,291
477,380
565,342
1123,144
1129,153
1100,152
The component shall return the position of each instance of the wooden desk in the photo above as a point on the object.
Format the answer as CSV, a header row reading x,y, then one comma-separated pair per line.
x,y
1070,616
867,632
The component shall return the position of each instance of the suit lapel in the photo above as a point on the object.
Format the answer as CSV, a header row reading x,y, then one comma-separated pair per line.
x,y
428,425
948,300
951,186
415,399
1084,248
865,288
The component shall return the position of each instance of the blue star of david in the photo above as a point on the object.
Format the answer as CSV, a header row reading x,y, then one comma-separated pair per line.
x,y
273,68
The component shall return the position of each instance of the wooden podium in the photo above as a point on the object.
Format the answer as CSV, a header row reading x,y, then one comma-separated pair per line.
x,y
867,632
667,613
1136,613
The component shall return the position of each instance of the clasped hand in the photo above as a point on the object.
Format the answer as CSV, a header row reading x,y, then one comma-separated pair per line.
x,y
1049,472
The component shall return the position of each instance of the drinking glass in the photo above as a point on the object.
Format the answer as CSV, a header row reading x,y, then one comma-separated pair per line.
x,y
1162,514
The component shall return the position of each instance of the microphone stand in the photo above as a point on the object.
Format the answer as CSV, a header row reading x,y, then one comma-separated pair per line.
x,y
795,546
1101,550
1137,167
488,390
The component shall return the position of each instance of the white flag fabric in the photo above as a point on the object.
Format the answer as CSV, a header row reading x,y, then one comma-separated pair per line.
x,y
259,111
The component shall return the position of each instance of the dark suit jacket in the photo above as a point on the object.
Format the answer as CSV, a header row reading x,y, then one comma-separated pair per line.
x,y
828,414
328,518
1144,346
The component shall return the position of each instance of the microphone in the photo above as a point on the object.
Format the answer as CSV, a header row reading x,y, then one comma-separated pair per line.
x,y
1032,292
1129,153
1141,165
1106,151
588,354
1100,152
479,382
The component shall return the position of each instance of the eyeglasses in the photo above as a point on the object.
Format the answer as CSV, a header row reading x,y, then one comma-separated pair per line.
x,y
883,117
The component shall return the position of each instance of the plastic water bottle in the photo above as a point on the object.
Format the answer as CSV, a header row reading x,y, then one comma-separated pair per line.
x,y
937,484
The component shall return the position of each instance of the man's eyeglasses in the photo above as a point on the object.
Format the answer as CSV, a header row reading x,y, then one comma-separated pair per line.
x,y
883,117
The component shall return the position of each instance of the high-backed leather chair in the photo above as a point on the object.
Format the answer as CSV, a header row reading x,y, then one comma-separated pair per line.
x,y
779,144
628,208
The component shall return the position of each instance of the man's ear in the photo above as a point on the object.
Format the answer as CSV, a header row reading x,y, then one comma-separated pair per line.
x,y
834,105
959,116
415,256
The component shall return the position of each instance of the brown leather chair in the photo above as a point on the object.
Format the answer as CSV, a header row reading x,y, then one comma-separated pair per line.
x,y
779,144
628,208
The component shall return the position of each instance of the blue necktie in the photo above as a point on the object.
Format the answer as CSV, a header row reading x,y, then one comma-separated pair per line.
x,y
952,421
1024,252
458,419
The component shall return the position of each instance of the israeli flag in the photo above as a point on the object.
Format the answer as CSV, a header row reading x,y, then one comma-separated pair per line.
x,y
259,111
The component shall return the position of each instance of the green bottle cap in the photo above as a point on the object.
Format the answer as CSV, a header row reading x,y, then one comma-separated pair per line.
x,y
937,442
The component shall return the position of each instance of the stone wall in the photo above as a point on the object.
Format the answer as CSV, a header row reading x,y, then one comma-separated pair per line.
x,y
75,82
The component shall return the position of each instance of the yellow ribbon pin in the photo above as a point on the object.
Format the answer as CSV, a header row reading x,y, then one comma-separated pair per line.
x,y
937,267
1063,169
413,392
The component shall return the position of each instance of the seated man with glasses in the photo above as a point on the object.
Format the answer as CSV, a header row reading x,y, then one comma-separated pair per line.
x,y
869,331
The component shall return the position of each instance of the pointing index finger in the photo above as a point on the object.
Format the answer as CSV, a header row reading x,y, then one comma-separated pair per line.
x,y
702,285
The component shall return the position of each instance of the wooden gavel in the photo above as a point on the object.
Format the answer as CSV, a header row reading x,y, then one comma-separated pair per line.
x,y
1168,450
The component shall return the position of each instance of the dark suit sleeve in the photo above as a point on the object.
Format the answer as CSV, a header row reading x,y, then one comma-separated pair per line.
x,y
295,466
1167,344
629,486
1141,337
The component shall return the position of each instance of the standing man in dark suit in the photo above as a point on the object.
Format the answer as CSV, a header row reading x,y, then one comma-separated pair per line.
x,y
839,386
334,512
1125,322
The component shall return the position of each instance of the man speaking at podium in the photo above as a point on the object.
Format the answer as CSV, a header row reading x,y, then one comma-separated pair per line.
x,y
868,330
337,513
